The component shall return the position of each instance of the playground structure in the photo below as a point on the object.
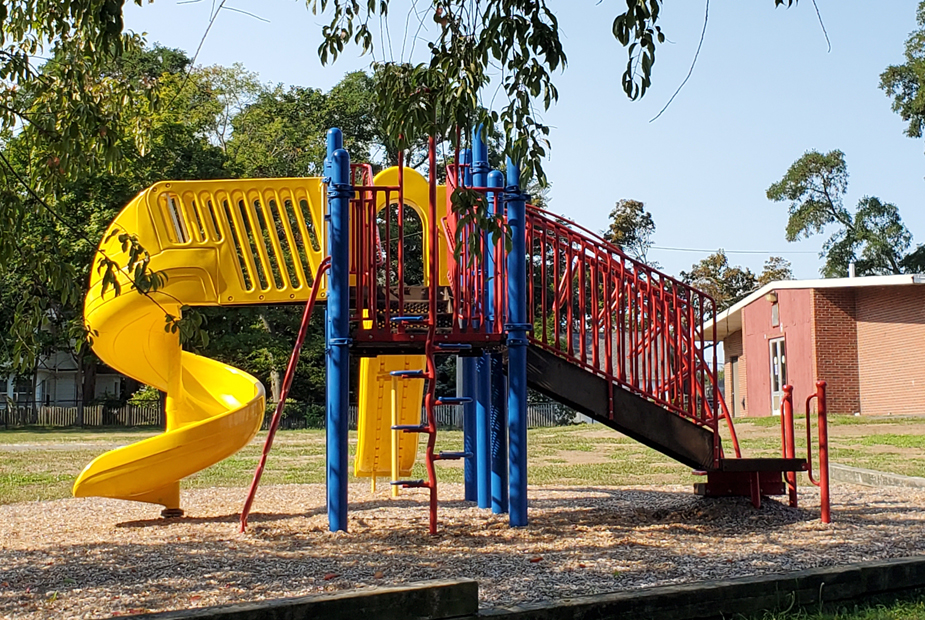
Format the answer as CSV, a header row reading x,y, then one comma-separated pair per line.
x,y
554,307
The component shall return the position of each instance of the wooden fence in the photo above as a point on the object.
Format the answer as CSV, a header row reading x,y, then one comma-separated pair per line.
x,y
17,416
539,415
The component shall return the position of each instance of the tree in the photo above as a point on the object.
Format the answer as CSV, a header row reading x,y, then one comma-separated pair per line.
x,y
775,268
282,131
519,38
904,82
62,221
631,228
873,237
725,283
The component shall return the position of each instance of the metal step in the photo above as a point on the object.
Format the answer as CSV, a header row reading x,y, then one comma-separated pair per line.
x,y
411,428
409,483
452,456
409,374
454,400
454,346
409,319
762,464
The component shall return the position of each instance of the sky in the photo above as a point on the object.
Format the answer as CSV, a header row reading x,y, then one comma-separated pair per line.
x,y
765,89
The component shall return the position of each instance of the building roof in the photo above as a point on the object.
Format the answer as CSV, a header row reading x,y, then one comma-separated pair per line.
x,y
729,320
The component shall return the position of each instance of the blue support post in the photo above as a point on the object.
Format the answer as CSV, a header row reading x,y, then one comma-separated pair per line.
x,y
480,169
517,329
338,331
470,387
498,418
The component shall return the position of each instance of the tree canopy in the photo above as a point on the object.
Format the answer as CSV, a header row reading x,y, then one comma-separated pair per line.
x,y
631,228
904,82
518,39
726,283
872,236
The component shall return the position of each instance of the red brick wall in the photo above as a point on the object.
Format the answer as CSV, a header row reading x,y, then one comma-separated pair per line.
x,y
732,347
891,349
835,339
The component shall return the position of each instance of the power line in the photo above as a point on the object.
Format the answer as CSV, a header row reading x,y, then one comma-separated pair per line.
x,y
774,253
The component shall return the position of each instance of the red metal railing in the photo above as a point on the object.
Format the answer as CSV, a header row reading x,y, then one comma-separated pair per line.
x,y
588,302
822,425
287,383
620,319
394,261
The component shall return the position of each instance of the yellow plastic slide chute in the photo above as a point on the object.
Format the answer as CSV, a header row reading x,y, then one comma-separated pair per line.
x,y
385,402
225,242
218,242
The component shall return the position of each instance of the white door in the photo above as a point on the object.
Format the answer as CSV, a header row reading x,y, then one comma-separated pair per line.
x,y
778,373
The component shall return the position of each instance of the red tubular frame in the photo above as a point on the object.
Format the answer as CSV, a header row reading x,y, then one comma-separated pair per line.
x,y
823,425
788,437
622,320
284,393
591,304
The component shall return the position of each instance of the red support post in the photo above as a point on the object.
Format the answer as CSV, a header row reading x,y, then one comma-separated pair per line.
x,y
823,424
822,412
789,447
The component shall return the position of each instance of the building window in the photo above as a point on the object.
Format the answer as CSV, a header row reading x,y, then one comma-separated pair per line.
x,y
775,314
22,392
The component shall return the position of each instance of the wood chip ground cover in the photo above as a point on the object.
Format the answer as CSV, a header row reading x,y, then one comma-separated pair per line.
x,y
94,558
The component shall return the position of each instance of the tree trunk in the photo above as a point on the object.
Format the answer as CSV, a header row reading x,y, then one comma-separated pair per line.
x,y
275,379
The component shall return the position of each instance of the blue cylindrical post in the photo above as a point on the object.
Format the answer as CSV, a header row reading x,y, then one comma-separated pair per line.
x,y
498,416
517,328
479,178
469,385
338,333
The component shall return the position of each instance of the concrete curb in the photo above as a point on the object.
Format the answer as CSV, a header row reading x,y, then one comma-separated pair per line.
x,y
417,601
748,596
872,478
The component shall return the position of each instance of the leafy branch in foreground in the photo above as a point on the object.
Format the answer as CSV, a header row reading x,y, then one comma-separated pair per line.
x,y
472,212
516,42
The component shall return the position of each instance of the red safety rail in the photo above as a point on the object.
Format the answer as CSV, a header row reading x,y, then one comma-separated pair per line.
x,y
823,429
387,275
284,393
788,441
621,319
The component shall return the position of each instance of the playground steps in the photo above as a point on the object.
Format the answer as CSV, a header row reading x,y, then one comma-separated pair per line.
x,y
658,428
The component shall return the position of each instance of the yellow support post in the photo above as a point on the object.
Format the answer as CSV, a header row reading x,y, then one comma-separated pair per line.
x,y
395,438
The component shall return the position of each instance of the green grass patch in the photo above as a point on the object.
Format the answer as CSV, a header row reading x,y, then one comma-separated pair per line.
x,y
42,464
880,608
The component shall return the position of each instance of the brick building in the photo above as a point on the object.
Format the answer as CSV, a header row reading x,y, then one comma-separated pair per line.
x,y
864,336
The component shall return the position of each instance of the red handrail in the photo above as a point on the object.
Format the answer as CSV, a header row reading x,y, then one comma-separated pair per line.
x,y
823,425
620,318
284,393
788,440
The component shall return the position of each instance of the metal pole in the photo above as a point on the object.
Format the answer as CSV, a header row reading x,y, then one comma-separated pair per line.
x,y
789,441
470,382
478,177
517,345
338,333
822,409
496,442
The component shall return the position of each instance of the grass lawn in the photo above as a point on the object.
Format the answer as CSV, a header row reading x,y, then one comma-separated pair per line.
x,y
909,608
42,464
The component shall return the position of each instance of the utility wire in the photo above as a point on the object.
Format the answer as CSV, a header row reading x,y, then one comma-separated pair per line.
x,y
656,247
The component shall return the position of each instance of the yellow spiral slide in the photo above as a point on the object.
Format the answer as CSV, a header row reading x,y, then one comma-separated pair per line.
x,y
227,242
